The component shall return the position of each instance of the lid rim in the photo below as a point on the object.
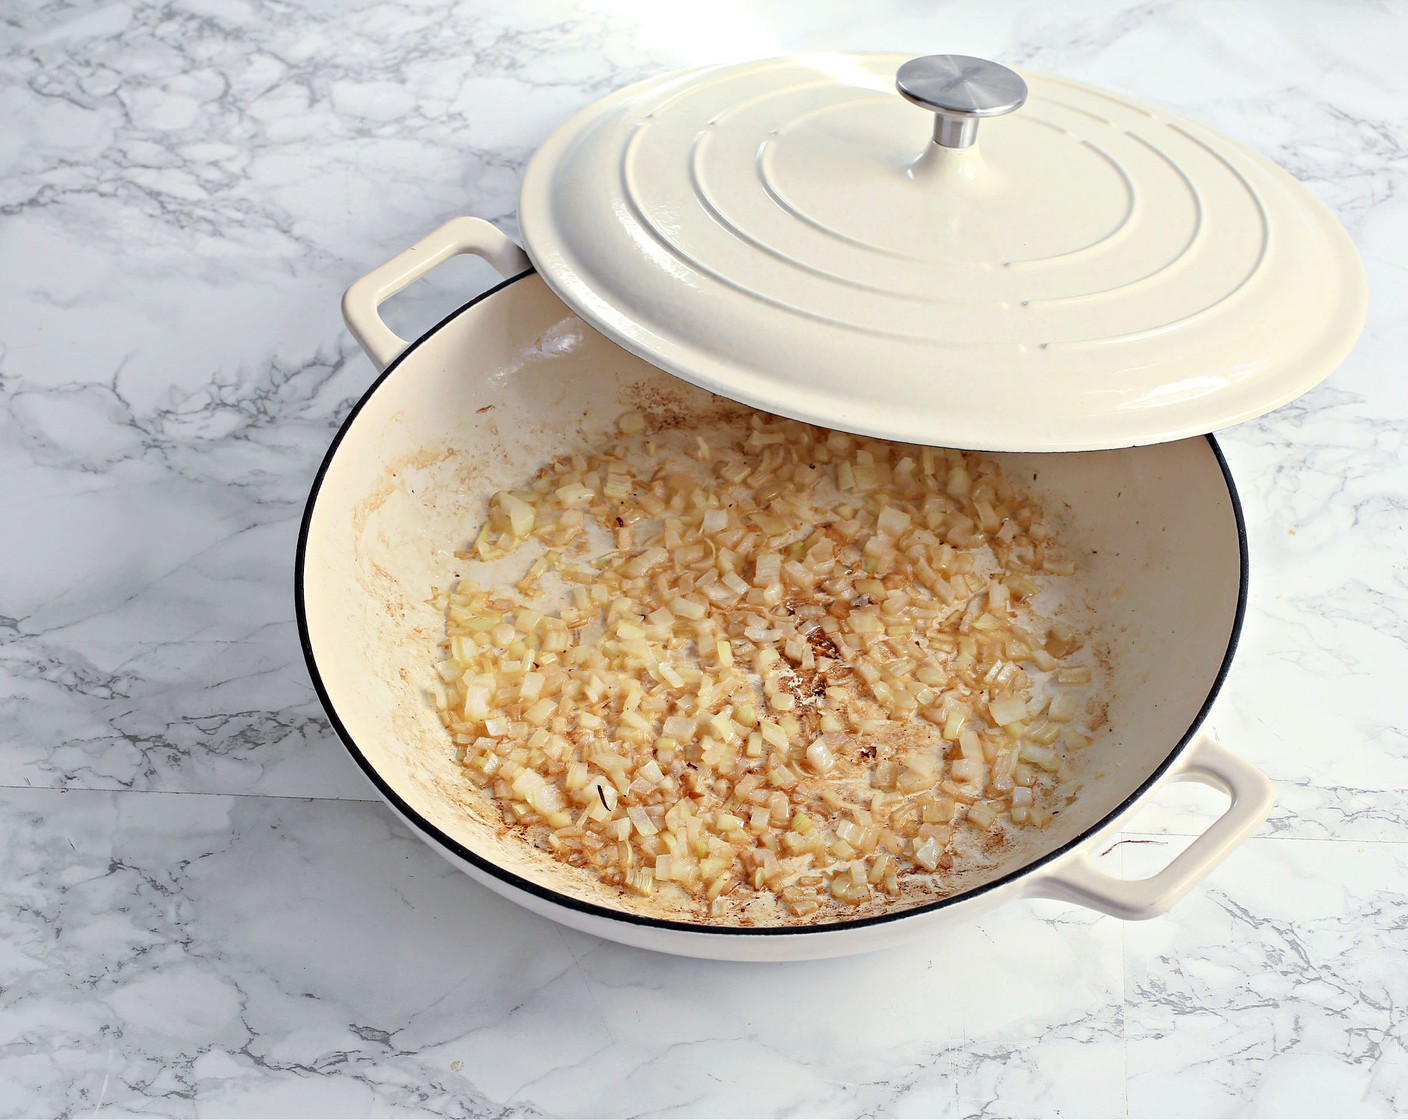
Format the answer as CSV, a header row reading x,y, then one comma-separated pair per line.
x,y
1055,446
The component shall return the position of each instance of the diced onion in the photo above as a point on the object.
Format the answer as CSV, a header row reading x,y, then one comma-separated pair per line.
x,y
893,522
519,513
767,569
927,854
574,494
1007,709
1063,709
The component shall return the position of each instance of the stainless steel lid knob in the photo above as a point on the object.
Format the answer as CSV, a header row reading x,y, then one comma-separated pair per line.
x,y
961,91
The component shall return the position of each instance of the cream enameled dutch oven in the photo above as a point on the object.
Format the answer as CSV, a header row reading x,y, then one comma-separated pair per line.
x,y
1092,276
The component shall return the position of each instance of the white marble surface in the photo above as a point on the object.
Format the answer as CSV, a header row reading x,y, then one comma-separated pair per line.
x,y
203,908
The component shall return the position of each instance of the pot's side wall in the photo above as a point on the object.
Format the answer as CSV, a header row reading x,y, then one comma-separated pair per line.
x,y
709,945
1155,536
478,405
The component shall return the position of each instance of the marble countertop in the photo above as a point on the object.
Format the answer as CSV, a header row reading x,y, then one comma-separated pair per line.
x,y
205,909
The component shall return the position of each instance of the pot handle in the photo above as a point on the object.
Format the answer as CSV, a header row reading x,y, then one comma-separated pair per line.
x,y
1077,879
458,235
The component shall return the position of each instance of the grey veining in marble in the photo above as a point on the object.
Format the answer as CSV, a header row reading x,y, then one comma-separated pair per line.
x,y
203,908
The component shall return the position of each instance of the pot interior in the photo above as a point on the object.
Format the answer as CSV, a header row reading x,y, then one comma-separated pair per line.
x,y
514,379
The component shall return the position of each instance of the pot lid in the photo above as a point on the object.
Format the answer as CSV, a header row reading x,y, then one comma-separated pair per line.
x,y
836,238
